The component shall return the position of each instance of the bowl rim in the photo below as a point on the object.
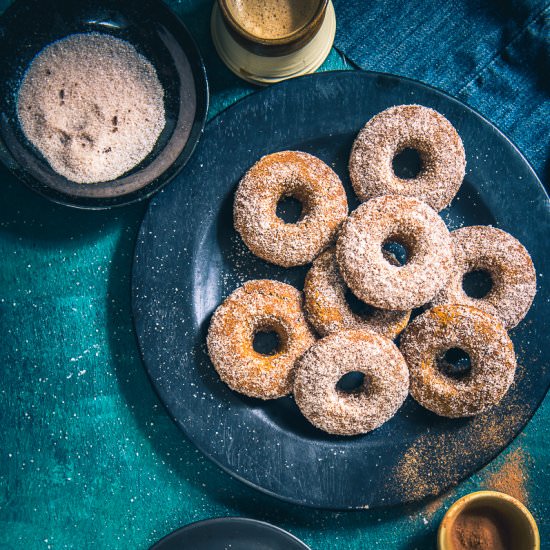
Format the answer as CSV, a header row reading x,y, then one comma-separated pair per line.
x,y
224,520
490,497
201,87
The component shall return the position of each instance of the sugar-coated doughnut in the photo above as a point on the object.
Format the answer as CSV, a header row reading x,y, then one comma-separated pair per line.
x,y
327,308
413,224
259,305
289,174
402,127
505,259
384,389
482,336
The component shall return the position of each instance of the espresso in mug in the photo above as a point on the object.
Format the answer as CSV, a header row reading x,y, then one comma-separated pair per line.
x,y
272,19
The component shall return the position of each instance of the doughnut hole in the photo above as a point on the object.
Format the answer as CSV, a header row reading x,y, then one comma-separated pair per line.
x,y
360,308
407,164
399,248
269,339
477,283
352,383
291,208
454,363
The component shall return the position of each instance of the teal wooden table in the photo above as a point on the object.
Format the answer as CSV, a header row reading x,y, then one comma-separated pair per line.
x,y
88,455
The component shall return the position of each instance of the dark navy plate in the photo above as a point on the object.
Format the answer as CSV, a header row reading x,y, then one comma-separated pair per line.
x,y
28,26
188,259
230,534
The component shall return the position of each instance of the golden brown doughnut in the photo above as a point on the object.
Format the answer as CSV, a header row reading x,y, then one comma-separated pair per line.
x,y
289,174
260,305
327,308
481,336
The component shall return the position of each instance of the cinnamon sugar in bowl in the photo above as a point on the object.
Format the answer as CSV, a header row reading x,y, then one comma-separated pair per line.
x,y
488,520
147,40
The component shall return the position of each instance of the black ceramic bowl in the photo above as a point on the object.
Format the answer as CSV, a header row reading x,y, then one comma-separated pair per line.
x,y
30,25
232,532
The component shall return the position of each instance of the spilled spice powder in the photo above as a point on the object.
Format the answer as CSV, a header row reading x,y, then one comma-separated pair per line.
x,y
511,478
435,505
432,461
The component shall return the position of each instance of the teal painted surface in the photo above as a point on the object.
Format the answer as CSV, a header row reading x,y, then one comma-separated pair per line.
x,y
88,456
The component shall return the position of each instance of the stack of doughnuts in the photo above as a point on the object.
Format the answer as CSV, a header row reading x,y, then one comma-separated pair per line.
x,y
322,334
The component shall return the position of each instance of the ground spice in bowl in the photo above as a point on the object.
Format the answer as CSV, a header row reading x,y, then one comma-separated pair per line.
x,y
480,529
488,520
92,105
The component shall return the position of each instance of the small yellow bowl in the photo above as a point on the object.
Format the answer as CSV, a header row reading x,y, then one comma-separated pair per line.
x,y
523,527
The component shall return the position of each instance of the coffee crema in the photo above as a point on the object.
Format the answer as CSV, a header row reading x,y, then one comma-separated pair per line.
x,y
272,19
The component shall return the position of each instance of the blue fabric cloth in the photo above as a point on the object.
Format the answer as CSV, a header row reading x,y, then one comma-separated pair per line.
x,y
493,55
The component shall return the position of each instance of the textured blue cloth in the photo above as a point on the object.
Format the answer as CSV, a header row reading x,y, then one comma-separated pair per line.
x,y
493,55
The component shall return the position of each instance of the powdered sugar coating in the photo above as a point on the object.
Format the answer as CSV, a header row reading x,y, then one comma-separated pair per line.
x,y
259,305
507,262
385,388
410,222
304,177
328,310
401,127
482,336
